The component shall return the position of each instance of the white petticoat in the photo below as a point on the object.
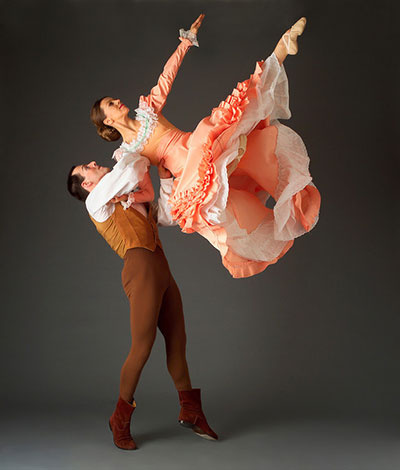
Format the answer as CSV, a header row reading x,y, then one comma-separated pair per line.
x,y
268,240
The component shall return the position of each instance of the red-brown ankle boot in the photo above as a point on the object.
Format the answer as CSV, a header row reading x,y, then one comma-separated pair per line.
x,y
120,422
191,414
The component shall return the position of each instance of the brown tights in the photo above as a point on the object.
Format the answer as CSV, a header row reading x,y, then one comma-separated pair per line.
x,y
154,300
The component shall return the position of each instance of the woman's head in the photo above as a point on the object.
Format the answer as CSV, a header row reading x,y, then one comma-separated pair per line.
x,y
105,113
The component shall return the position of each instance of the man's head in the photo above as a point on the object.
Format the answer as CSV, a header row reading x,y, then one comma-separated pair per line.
x,y
82,179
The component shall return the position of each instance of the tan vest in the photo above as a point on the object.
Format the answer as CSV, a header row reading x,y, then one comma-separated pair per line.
x,y
127,229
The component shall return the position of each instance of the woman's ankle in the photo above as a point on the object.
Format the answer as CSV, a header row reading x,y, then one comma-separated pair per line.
x,y
281,51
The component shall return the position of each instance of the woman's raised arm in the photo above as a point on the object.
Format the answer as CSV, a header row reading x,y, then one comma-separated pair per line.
x,y
158,94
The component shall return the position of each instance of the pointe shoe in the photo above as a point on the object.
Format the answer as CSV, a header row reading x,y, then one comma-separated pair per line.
x,y
290,37
120,423
192,416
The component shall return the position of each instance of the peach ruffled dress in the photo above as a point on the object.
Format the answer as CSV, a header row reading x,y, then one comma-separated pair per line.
x,y
236,158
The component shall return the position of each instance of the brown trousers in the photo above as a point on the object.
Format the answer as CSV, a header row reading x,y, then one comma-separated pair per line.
x,y
155,301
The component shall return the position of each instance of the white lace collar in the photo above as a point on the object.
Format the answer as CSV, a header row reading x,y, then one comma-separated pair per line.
x,y
148,121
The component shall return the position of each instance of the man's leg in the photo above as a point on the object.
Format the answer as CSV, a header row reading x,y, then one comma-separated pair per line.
x,y
144,315
172,326
144,284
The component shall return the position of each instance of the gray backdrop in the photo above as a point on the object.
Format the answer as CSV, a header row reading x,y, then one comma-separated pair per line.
x,y
314,335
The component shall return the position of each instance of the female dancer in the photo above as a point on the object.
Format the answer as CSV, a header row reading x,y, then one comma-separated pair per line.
x,y
235,159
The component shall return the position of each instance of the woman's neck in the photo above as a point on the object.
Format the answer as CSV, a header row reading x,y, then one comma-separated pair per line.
x,y
128,128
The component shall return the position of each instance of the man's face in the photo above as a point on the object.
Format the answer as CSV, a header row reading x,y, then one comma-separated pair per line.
x,y
91,174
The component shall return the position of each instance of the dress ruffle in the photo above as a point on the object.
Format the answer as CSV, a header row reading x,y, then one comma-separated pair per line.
x,y
228,208
188,202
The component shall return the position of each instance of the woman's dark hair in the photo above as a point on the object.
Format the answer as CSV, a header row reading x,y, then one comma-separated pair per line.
x,y
74,186
97,116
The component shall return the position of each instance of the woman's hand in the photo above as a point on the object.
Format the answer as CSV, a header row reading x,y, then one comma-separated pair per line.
x,y
162,171
196,25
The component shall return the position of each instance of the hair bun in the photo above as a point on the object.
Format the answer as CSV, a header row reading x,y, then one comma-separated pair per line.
x,y
97,117
108,133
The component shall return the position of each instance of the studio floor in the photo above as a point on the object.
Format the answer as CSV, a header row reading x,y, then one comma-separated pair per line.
x,y
77,439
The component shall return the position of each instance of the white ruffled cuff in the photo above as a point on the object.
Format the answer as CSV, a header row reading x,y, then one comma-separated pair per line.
x,y
189,35
126,204
131,200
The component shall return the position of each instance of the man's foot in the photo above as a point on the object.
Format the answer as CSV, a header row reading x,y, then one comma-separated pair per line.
x,y
192,415
120,422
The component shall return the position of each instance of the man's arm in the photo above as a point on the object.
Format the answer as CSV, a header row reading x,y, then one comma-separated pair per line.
x,y
164,209
122,179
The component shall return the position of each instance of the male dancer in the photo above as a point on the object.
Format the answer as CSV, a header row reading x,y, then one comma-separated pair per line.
x,y
148,283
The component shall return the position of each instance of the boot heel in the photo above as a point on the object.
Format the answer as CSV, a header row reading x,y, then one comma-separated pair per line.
x,y
192,415
186,424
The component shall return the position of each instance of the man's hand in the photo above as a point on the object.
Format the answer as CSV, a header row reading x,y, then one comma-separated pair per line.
x,y
196,25
116,199
162,171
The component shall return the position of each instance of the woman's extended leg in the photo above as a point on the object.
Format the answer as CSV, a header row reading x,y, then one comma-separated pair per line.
x,y
172,326
288,42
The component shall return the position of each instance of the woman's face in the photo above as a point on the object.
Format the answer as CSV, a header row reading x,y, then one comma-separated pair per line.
x,y
113,110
